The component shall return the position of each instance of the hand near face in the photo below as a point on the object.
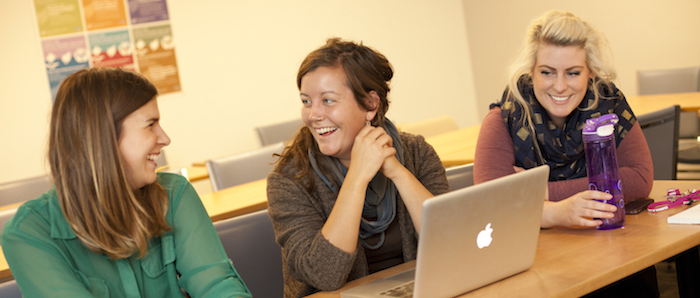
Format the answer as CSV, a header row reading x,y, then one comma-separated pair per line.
x,y
579,210
371,148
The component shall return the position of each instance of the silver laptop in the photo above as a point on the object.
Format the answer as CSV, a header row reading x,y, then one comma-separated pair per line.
x,y
471,237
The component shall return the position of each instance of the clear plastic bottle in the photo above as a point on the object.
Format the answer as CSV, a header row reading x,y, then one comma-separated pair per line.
x,y
601,164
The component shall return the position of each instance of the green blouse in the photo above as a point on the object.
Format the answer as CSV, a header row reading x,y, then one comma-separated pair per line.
x,y
48,260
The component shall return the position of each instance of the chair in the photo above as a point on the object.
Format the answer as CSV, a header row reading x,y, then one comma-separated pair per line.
x,y
280,132
669,80
676,81
430,127
9,289
460,176
660,128
242,168
24,190
5,215
249,241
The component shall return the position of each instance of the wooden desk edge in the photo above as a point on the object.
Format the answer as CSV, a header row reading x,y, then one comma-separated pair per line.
x,y
244,210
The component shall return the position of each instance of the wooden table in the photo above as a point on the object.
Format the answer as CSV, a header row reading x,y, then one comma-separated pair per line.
x,y
196,173
649,103
574,262
237,200
456,147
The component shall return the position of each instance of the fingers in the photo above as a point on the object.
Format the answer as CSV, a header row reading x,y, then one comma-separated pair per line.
x,y
588,200
582,208
377,138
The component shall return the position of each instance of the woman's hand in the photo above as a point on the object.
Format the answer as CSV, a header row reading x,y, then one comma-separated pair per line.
x,y
578,210
372,147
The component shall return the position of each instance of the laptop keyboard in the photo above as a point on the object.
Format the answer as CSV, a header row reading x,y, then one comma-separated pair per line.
x,y
402,291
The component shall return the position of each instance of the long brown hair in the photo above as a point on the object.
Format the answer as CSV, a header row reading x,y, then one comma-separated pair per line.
x,y
366,70
106,214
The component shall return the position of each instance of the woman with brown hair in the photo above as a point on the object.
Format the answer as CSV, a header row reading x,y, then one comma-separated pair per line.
x,y
112,226
346,197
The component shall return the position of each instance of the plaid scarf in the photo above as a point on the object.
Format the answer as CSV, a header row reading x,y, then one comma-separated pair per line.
x,y
560,148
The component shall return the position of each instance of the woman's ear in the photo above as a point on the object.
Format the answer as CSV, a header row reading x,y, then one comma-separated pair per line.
x,y
372,101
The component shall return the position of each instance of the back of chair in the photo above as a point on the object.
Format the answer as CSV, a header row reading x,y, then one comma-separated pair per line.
x,y
669,80
249,241
24,190
430,127
460,176
5,215
660,128
280,132
242,168
9,289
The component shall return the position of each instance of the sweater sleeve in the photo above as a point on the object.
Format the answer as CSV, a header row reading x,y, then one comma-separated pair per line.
x,y
495,157
428,167
310,257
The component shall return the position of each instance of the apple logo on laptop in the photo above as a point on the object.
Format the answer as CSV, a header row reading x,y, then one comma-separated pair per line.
x,y
483,239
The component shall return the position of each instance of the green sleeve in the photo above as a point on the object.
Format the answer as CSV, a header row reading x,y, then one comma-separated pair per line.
x,y
37,263
201,260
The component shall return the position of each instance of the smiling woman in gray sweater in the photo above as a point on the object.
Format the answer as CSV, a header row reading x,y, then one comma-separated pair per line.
x,y
346,197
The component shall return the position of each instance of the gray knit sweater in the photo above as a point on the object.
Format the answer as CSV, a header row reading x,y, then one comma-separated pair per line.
x,y
311,263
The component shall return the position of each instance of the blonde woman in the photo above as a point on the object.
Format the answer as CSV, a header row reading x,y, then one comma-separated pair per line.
x,y
112,226
563,77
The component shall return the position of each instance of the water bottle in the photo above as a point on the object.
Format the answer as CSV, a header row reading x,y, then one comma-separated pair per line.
x,y
601,164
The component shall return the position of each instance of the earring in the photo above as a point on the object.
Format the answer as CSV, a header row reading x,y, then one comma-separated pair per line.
x,y
368,123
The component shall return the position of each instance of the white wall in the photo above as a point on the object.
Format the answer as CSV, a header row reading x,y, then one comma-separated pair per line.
x,y
643,34
238,63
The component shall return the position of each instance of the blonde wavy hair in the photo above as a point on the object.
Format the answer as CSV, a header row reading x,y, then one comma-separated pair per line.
x,y
106,214
561,28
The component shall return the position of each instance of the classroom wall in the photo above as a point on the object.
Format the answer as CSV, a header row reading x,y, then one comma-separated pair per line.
x,y
642,35
238,62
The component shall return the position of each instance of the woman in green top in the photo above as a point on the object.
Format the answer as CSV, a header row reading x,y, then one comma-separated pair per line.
x,y
111,226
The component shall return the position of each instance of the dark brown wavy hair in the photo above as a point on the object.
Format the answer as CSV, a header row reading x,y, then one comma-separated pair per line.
x,y
106,214
366,70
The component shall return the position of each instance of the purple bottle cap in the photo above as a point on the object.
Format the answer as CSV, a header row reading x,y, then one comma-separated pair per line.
x,y
601,128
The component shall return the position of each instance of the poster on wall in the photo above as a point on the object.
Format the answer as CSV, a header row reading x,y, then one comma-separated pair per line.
x,y
146,11
156,55
56,17
112,49
133,34
64,56
100,14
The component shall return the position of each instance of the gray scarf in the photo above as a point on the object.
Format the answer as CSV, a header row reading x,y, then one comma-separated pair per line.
x,y
380,197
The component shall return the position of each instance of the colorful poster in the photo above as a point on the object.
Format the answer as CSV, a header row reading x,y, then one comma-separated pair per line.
x,y
144,11
56,17
112,49
64,56
100,14
155,52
